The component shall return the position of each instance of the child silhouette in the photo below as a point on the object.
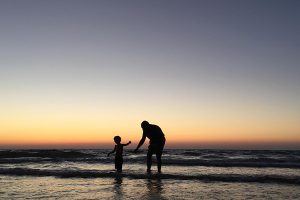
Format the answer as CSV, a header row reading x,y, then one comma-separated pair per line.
x,y
119,153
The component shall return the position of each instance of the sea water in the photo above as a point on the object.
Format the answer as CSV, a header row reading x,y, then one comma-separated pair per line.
x,y
186,174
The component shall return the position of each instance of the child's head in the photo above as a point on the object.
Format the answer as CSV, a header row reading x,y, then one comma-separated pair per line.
x,y
117,139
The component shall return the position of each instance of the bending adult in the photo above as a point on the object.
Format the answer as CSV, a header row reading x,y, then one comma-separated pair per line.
x,y
156,143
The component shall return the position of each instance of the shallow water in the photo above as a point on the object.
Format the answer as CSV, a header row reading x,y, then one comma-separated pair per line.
x,y
187,174
125,188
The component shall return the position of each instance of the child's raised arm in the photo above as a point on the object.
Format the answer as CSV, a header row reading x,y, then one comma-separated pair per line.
x,y
113,151
127,143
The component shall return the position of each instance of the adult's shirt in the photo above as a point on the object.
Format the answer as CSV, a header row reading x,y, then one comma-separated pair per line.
x,y
154,133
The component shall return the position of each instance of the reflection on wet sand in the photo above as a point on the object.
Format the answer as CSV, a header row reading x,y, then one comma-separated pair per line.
x,y
118,190
154,188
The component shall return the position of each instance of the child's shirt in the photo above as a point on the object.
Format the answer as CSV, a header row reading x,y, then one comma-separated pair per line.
x,y
119,150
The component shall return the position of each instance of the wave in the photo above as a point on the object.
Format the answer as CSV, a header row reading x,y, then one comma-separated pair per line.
x,y
42,154
233,163
207,158
279,179
167,162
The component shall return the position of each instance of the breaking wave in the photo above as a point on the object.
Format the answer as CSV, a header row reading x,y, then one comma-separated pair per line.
x,y
280,179
207,158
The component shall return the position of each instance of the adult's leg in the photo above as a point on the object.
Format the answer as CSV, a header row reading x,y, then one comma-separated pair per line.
x,y
149,158
158,156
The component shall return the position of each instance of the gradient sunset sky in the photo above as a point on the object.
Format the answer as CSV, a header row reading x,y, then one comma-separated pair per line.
x,y
211,74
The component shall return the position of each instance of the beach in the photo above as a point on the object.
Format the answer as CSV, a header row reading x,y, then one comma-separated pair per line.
x,y
187,174
91,89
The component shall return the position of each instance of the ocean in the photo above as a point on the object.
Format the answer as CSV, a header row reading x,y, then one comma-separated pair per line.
x,y
186,174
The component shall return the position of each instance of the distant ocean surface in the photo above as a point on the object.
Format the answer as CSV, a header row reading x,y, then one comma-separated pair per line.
x,y
187,174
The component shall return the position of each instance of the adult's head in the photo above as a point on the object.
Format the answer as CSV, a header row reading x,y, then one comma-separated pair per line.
x,y
144,124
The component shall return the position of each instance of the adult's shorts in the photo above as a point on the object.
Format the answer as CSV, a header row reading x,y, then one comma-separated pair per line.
x,y
156,147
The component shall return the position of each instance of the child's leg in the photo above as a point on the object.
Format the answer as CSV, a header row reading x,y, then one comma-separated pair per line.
x,y
120,168
118,164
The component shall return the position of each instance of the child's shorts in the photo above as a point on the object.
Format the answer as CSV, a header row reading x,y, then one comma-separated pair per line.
x,y
118,163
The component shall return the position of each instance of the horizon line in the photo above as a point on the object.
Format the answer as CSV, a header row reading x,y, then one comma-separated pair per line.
x,y
186,145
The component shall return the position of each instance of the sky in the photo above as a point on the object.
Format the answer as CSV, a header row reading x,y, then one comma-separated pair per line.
x,y
211,74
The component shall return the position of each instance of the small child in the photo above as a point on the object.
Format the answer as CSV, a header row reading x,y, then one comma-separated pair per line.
x,y
119,153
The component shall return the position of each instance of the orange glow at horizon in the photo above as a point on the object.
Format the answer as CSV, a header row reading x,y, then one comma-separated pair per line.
x,y
72,124
92,134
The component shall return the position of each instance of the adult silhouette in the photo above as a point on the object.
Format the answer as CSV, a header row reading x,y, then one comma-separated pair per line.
x,y
156,143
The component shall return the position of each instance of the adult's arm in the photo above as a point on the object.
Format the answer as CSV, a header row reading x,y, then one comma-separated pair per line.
x,y
140,143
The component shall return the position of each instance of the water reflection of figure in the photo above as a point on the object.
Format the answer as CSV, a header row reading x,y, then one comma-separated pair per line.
x,y
118,191
155,189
